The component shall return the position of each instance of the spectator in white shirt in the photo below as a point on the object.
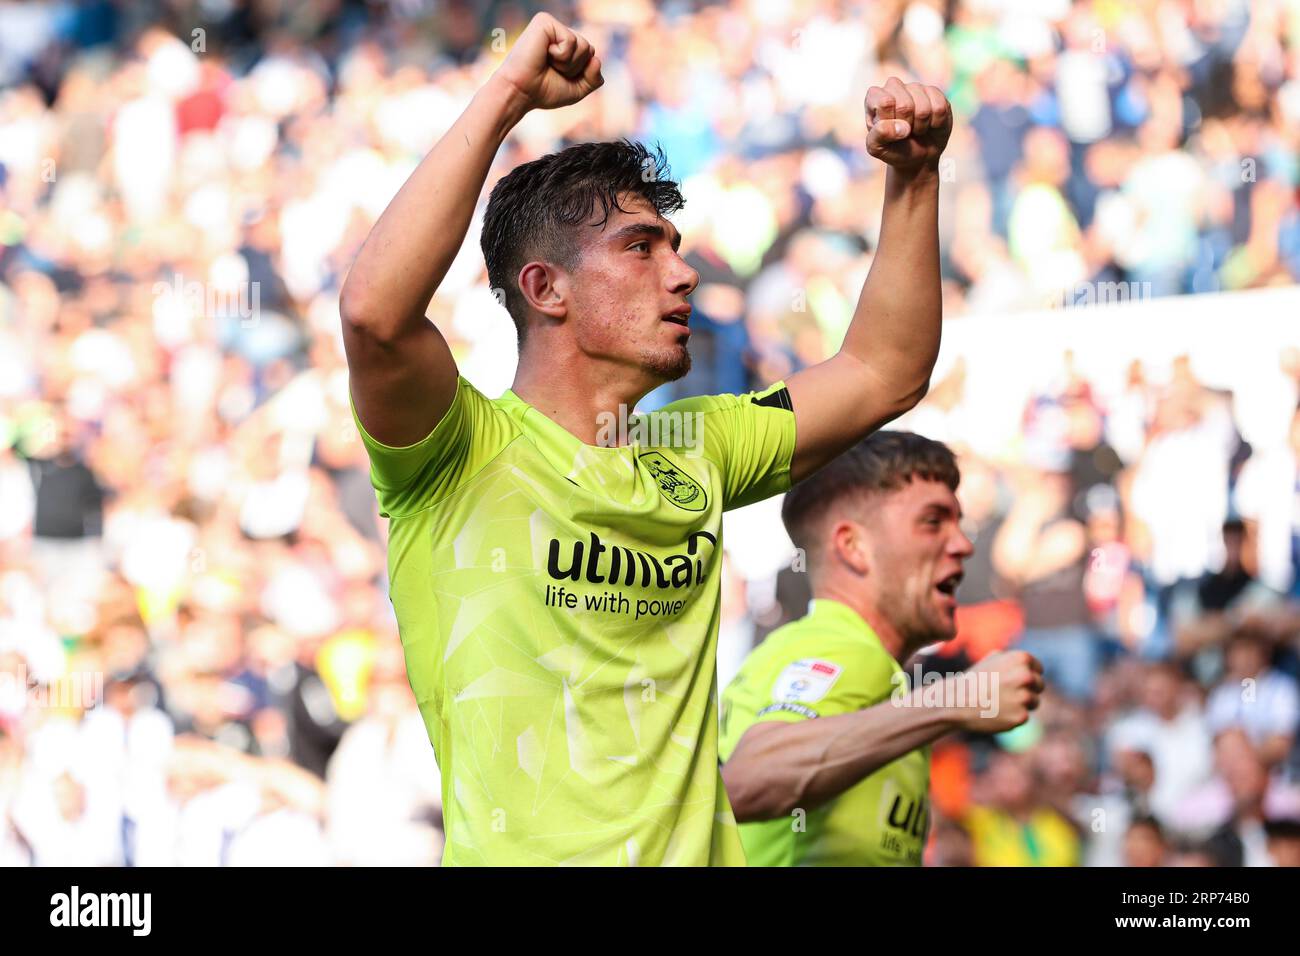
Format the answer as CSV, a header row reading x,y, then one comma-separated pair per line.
x,y
384,789
68,821
1253,696
1180,487
1171,728
1268,498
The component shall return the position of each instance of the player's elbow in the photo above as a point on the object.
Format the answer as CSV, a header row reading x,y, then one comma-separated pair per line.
x,y
354,308
887,388
899,403
361,312
755,795
913,398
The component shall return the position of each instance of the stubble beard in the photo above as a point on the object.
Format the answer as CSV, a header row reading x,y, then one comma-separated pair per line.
x,y
920,623
668,364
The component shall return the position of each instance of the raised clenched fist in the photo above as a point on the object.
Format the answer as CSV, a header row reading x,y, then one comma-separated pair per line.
x,y
550,65
908,124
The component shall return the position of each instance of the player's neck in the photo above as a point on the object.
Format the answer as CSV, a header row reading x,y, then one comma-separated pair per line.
x,y
577,394
891,639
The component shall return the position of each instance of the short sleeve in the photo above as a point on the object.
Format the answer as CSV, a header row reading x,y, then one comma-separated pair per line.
x,y
750,438
807,681
840,679
412,477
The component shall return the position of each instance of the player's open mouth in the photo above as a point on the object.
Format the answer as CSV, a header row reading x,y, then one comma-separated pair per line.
x,y
680,316
948,586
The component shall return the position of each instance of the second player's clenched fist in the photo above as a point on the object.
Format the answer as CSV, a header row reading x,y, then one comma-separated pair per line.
x,y
550,65
908,124
1000,692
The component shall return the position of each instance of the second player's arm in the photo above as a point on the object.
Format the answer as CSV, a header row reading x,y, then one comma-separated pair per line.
x,y
778,767
883,367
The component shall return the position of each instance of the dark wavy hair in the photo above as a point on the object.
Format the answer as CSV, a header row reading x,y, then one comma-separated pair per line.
x,y
884,461
536,210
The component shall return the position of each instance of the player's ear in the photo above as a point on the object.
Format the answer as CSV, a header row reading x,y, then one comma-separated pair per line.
x,y
848,544
545,289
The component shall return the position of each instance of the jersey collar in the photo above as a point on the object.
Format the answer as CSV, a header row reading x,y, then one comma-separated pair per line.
x,y
609,472
839,615
555,433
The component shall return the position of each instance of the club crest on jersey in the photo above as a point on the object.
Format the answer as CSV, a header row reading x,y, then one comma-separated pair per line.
x,y
807,680
675,485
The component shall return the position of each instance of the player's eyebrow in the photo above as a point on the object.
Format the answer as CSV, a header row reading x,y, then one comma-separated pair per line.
x,y
944,510
648,229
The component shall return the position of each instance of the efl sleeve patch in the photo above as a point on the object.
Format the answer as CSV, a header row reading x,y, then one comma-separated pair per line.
x,y
806,680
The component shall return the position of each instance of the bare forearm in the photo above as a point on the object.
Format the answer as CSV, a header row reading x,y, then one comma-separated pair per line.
x,y
883,367
806,764
895,329
413,243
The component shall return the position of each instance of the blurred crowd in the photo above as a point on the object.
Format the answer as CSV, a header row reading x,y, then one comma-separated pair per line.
x,y
198,660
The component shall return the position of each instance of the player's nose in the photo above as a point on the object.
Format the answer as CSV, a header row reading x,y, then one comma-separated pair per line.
x,y
683,279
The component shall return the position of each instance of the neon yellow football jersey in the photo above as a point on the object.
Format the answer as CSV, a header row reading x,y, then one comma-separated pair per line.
x,y
558,607
827,663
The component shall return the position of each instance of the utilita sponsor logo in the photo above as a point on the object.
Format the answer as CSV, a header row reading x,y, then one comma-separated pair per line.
x,y
612,564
